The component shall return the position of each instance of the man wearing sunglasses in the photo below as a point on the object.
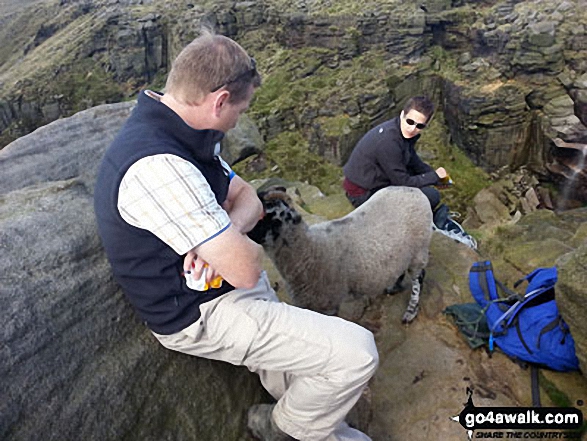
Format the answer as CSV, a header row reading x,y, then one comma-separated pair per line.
x,y
386,156
171,212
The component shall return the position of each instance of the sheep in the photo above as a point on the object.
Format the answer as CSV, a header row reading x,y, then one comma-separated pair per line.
x,y
358,256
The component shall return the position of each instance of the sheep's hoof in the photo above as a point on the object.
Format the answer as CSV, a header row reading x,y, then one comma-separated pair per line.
x,y
409,316
391,290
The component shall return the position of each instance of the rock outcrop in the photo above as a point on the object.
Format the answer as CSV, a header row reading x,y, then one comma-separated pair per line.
x,y
571,292
75,361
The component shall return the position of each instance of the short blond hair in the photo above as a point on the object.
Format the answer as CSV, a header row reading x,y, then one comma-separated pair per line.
x,y
211,62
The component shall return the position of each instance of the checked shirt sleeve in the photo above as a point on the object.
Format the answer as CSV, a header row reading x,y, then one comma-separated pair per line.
x,y
170,197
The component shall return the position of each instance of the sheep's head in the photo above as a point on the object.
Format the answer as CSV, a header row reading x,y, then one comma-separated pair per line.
x,y
279,212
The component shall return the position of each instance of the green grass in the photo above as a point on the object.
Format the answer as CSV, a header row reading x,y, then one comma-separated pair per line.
x,y
467,177
446,62
288,157
86,85
311,77
307,90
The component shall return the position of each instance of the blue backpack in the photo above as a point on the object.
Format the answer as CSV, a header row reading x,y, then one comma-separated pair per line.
x,y
530,327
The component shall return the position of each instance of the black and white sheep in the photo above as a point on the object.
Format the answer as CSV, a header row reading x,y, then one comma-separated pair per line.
x,y
360,255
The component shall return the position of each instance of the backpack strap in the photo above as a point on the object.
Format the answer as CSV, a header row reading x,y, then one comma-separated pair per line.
x,y
549,327
520,336
557,322
539,278
482,283
521,302
511,295
535,386
528,277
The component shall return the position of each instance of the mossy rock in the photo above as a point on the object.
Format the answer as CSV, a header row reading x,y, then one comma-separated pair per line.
x,y
580,236
538,239
572,297
333,207
529,256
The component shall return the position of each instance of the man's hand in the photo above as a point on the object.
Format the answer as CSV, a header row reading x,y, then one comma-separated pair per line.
x,y
444,180
195,264
231,254
441,172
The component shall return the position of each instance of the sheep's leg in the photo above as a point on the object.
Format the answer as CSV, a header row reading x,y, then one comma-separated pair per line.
x,y
414,303
397,287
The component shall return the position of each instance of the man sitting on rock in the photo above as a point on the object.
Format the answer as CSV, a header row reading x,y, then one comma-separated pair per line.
x,y
173,219
386,156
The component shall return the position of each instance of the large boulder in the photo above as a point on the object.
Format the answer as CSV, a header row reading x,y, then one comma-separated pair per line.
x,y
65,149
572,297
242,141
75,361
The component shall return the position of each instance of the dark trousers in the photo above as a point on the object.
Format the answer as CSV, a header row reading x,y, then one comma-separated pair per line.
x,y
431,193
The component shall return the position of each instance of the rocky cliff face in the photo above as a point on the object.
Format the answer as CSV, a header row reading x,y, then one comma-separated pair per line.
x,y
75,362
528,57
510,76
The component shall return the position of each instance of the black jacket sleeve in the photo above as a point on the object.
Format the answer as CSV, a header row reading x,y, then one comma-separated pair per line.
x,y
416,173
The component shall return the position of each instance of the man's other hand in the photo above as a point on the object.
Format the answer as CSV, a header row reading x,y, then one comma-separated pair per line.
x,y
441,172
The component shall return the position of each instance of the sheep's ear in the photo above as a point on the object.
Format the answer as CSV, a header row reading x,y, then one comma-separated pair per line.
x,y
270,192
279,194
271,189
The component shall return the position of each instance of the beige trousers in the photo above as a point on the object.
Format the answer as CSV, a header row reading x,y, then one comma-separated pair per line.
x,y
316,366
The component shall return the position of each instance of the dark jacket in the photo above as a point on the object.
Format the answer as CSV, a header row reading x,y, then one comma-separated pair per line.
x,y
383,157
148,270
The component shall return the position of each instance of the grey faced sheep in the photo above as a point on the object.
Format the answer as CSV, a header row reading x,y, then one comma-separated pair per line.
x,y
360,255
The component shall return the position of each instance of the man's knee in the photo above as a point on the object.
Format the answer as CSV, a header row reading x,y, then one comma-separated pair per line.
x,y
370,356
357,201
363,359
433,196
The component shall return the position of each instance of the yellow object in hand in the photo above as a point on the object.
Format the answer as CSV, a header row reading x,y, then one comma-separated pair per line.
x,y
445,182
214,283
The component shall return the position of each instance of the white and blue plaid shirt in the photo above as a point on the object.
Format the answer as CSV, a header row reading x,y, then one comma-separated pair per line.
x,y
170,197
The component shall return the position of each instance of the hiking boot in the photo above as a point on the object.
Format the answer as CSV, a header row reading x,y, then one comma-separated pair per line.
x,y
262,426
453,230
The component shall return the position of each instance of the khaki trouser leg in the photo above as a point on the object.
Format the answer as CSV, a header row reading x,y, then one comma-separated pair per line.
x,y
316,366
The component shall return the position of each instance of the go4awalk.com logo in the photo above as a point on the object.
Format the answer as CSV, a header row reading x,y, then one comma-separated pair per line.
x,y
519,422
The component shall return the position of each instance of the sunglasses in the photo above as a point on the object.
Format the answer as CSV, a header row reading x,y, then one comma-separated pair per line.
x,y
249,73
419,126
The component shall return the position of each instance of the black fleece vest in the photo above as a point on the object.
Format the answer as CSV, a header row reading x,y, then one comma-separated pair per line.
x,y
147,269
